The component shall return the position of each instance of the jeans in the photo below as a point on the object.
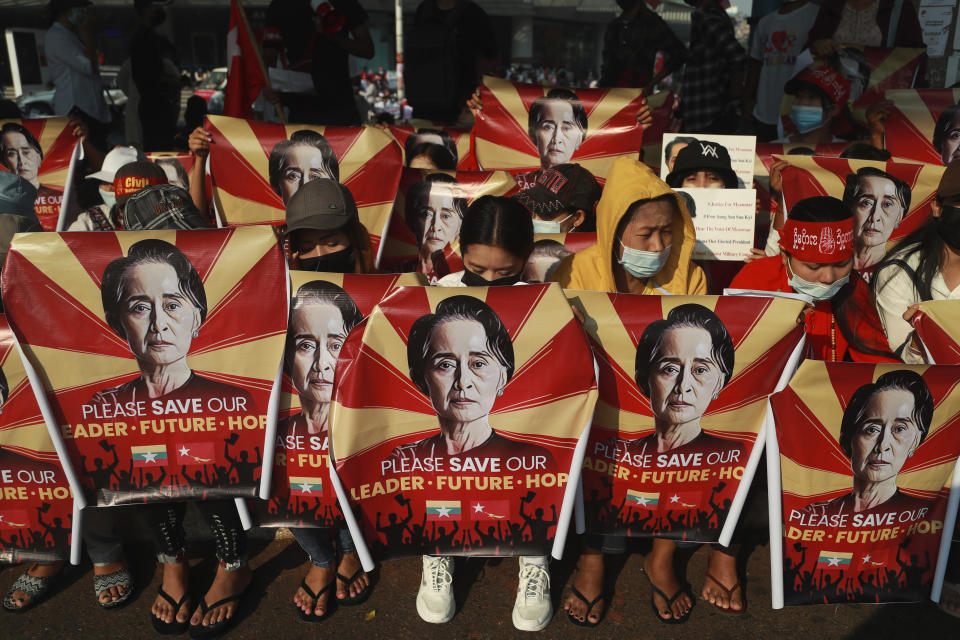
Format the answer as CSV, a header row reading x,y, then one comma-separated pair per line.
x,y
100,534
165,521
318,544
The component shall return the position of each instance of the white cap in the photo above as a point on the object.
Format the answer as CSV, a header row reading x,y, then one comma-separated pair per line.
x,y
116,158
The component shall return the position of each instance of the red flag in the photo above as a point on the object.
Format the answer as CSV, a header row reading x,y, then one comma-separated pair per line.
x,y
246,75
195,453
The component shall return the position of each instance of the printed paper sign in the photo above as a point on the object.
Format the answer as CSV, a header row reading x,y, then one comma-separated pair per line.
x,y
724,220
434,364
866,453
158,351
529,128
684,382
742,150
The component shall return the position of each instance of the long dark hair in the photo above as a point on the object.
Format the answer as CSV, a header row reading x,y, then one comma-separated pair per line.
x,y
848,310
498,221
925,241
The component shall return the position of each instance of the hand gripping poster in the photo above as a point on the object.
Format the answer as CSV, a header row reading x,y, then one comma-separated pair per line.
x,y
455,141
36,505
40,152
424,230
158,353
454,430
924,125
679,425
863,470
257,167
527,128
938,325
324,308
888,199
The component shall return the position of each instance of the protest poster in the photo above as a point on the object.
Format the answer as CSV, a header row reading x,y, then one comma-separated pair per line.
x,y
525,128
36,505
257,167
662,106
706,363
725,220
742,150
456,140
859,470
158,353
888,199
549,249
424,230
938,327
923,125
324,308
40,151
483,359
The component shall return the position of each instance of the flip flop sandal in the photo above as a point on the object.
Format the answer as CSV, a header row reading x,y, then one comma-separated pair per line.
x,y
171,628
119,578
313,617
217,629
590,605
360,597
729,592
684,589
36,587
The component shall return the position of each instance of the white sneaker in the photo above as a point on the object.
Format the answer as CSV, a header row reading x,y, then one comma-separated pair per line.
x,y
435,598
532,609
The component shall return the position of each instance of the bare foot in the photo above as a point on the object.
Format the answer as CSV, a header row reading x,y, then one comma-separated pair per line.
x,y
174,583
225,584
658,566
721,580
21,600
348,566
589,582
113,593
317,578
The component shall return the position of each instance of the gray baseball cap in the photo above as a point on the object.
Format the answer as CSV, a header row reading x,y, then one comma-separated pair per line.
x,y
321,204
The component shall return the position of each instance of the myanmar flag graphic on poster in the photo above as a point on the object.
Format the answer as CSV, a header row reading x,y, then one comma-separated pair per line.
x,y
196,453
147,455
437,510
306,486
643,499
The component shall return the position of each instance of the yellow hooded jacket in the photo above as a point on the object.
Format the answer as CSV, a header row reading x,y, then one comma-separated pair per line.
x,y
592,269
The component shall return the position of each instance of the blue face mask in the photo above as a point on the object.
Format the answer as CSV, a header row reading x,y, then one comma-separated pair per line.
x,y
817,290
806,118
548,226
109,198
643,264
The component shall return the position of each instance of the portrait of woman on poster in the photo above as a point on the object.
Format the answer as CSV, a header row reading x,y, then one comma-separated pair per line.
x,y
682,364
882,427
20,152
461,357
557,125
434,210
946,134
879,202
304,157
155,300
321,316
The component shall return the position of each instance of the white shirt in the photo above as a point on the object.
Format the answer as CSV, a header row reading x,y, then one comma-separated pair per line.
x,y
778,41
896,292
76,80
85,223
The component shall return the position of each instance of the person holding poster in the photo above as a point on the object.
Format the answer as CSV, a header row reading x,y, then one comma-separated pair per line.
x,y
878,201
304,157
324,230
434,210
923,266
645,240
820,99
673,149
704,165
565,189
321,316
102,215
557,125
816,260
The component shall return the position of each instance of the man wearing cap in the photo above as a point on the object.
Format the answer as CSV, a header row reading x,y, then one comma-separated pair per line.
x,y
703,164
118,157
563,199
820,98
70,46
324,232
153,65
816,260
128,179
162,206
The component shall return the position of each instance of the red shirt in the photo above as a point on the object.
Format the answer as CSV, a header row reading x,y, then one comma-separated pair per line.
x,y
825,340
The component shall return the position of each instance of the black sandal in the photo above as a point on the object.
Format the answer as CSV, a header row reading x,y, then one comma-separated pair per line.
x,y
360,597
684,588
171,628
217,629
312,616
36,587
590,605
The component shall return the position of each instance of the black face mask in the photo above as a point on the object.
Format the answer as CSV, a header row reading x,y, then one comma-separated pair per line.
x,y
948,224
472,279
337,262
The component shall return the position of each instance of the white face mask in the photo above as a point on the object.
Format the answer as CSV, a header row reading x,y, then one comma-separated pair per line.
x,y
109,198
643,264
816,290
548,226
